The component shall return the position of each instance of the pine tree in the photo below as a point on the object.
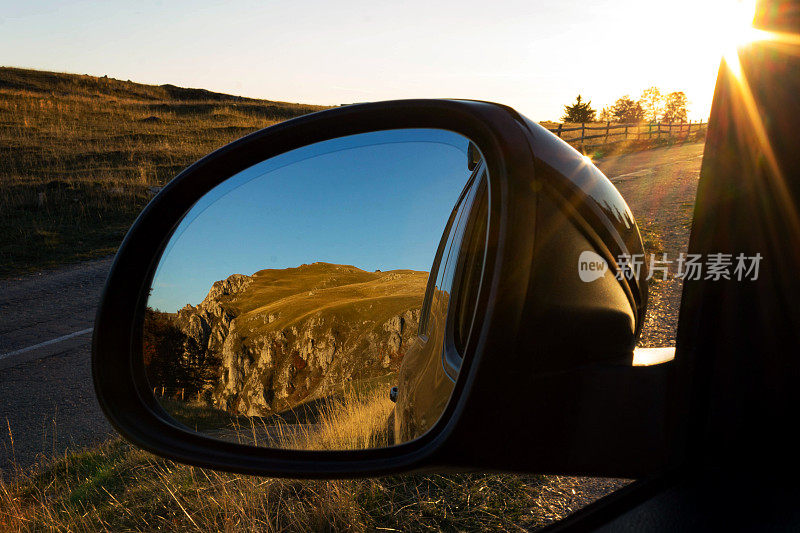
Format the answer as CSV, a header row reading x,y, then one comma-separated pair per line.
x,y
580,111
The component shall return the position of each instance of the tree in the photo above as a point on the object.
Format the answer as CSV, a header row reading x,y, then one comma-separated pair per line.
x,y
606,114
626,110
675,107
580,111
652,102
172,360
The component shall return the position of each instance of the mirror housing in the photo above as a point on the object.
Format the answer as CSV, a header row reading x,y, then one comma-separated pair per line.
x,y
547,382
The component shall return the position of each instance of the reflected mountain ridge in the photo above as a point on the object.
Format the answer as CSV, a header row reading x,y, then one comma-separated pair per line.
x,y
280,338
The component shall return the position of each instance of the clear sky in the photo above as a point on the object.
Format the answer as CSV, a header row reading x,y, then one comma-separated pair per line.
x,y
376,201
533,55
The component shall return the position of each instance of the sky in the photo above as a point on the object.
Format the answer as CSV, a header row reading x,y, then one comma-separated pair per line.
x,y
376,201
535,56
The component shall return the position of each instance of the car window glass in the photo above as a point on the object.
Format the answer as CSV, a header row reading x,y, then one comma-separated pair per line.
x,y
439,272
472,259
445,281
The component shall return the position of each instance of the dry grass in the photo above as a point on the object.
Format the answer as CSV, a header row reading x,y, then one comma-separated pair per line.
x,y
117,487
352,419
81,156
352,422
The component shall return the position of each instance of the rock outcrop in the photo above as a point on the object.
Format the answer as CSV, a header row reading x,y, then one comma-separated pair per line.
x,y
285,337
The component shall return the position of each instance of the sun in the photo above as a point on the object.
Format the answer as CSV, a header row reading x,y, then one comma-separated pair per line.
x,y
734,23
732,28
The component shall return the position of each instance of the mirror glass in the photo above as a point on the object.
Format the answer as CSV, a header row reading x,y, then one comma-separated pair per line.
x,y
292,306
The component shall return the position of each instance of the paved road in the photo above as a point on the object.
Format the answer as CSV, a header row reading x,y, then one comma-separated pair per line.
x,y
47,401
46,395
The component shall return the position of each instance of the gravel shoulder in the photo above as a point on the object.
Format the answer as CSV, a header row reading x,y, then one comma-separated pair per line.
x,y
660,187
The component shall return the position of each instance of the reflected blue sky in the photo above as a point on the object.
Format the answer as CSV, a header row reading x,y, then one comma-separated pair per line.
x,y
377,201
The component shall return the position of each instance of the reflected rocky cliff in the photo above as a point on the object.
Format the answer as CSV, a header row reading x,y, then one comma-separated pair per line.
x,y
263,344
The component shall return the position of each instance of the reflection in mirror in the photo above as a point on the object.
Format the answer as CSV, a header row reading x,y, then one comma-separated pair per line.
x,y
286,308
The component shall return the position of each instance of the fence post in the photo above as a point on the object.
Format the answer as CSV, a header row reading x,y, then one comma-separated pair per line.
x,y
649,130
669,132
608,125
560,126
689,129
626,133
583,134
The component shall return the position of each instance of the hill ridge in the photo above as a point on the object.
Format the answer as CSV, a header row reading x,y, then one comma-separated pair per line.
x,y
93,150
272,342
67,83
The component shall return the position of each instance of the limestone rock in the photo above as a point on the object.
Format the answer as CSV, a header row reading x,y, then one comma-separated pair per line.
x,y
324,325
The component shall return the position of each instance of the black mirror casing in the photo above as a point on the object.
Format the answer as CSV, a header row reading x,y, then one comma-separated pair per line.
x,y
535,393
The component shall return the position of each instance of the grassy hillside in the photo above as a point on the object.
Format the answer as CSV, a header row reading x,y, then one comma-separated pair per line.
x,y
301,291
82,155
325,292
264,344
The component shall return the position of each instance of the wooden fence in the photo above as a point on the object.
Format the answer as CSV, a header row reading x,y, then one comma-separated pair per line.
x,y
611,133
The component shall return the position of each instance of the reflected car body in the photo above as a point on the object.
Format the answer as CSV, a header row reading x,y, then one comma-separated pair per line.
x,y
425,384
430,366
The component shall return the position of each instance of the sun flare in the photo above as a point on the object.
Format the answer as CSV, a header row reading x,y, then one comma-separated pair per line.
x,y
733,29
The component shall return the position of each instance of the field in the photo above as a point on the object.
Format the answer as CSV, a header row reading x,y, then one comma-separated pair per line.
x,y
81,156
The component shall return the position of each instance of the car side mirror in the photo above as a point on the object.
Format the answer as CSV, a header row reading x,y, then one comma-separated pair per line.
x,y
295,280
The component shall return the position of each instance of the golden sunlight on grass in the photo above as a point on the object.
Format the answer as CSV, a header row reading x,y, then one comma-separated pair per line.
x,y
117,487
354,422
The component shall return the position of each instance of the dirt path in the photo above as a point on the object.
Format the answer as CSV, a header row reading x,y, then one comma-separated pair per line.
x,y
660,187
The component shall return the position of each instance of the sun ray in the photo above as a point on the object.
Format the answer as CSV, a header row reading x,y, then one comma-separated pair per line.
x,y
755,124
